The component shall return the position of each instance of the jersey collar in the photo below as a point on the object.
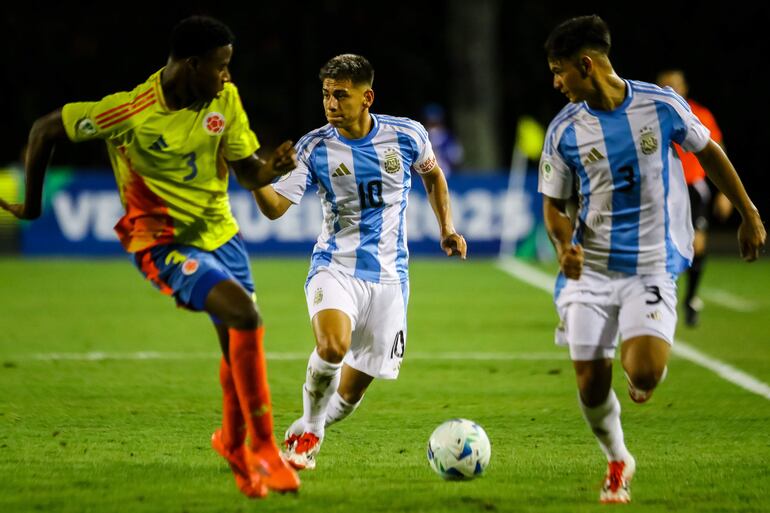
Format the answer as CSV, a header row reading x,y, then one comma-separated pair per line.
x,y
617,110
364,140
159,90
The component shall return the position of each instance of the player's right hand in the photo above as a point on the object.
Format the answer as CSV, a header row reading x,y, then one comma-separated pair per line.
x,y
284,158
571,261
17,209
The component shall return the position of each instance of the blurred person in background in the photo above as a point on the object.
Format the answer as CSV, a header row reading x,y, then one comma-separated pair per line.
x,y
448,150
702,202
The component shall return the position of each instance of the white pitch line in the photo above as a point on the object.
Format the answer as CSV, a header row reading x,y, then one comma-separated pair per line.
x,y
728,300
97,356
543,281
723,370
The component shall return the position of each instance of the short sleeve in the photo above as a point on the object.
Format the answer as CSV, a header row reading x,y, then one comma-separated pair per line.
x,y
426,159
555,177
292,185
105,119
239,140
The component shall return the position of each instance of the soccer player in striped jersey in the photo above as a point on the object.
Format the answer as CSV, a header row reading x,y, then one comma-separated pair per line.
x,y
170,142
612,147
700,194
358,285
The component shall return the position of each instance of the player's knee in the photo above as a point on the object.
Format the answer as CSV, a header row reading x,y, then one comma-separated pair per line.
x,y
593,397
332,348
645,377
242,317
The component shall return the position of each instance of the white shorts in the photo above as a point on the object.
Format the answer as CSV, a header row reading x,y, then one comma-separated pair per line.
x,y
602,308
377,314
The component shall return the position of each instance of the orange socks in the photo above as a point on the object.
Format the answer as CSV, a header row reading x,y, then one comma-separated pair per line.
x,y
233,426
249,375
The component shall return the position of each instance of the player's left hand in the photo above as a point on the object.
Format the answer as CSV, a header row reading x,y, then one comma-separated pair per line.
x,y
454,245
751,237
284,158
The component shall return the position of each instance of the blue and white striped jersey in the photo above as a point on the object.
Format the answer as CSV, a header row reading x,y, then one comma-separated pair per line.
x,y
633,213
363,186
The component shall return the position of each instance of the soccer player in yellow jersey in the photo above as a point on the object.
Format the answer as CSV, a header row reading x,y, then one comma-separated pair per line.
x,y
170,141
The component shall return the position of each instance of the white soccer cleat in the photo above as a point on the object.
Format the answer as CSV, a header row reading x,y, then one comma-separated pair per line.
x,y
642,396
301,450
616,488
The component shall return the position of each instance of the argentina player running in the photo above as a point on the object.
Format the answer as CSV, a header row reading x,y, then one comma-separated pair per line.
x,y
613,147
358,285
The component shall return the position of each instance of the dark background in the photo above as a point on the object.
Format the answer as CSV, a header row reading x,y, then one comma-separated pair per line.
x,y
59,53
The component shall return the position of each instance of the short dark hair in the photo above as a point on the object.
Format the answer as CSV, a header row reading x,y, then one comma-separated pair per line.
x,y
198,35
575,34
348,66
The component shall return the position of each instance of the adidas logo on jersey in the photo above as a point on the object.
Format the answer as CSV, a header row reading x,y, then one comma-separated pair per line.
x,y
341,170
593,156
159,145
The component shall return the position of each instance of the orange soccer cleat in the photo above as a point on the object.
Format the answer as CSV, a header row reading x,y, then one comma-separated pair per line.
x,y
251,486
266,462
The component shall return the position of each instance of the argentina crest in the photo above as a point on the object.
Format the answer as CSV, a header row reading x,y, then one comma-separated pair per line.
x,y
392,161
648,141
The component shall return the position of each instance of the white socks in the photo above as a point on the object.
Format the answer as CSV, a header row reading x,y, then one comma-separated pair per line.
x,y
339,408
321,382
604,421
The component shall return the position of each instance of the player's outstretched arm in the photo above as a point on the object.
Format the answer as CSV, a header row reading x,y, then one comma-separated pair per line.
x,y
751,233
452,242
270,203
559,227
43,136
253,172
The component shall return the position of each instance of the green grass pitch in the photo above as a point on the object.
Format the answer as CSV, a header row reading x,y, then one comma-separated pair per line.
x,y
129,434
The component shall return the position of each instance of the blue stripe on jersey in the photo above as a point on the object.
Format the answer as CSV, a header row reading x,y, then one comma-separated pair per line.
x,y
408,150
405,297
565,113
369,184
657,91
307,139
561,281
320,163
677,129
405,123
569,148
675,262
626,192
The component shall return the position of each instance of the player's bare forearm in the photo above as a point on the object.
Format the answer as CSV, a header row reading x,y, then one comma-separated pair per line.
x,y
559,228
270,203
557,223
43,136
438,197
751,233
721,171
452,242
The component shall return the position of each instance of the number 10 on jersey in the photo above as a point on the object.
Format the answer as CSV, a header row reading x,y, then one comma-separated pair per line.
x,y
370,194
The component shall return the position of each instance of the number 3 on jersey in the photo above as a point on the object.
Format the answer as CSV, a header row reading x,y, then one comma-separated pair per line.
x,y
193,166
628,175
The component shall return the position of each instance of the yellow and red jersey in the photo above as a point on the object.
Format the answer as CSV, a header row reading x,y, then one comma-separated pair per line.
x,y
693,171
170,165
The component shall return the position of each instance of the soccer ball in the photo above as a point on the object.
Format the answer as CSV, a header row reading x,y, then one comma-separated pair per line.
x,y
459,449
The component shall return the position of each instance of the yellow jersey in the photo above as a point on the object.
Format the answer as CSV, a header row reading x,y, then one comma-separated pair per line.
x,y
170,165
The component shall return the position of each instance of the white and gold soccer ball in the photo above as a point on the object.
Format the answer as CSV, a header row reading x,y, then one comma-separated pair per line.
x,y
459,449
